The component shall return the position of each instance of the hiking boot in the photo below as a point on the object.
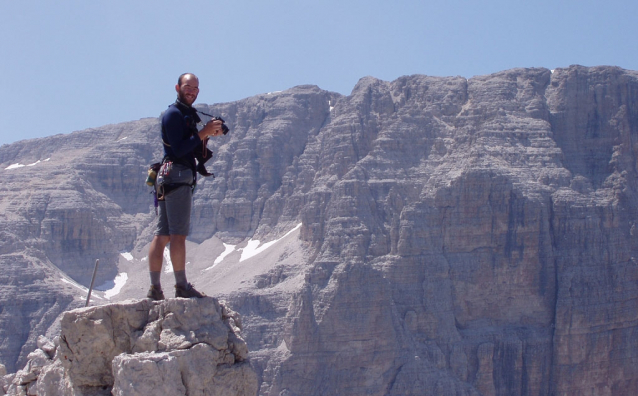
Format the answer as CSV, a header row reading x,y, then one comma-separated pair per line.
x,y
155,293
187,292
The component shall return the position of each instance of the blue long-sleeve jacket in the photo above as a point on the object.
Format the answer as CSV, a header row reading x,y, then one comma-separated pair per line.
x,y
179,133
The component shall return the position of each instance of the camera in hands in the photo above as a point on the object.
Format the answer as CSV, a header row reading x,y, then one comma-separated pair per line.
x,y
224,126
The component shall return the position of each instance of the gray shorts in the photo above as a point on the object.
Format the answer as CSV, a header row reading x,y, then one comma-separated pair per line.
x,y
175,212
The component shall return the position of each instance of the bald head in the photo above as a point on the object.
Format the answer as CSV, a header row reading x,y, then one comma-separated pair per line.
x,y
187,88
181,78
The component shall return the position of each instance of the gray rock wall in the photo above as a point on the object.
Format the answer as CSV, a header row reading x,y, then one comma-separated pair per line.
x,y
489,225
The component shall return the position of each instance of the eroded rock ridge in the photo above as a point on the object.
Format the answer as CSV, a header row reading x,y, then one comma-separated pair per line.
x,y
173,347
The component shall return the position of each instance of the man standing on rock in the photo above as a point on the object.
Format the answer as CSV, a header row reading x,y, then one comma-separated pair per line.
x,y
176,180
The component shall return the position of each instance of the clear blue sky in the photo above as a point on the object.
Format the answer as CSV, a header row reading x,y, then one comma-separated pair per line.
x,y
71,65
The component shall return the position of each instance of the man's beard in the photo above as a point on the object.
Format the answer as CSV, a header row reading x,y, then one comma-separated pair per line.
x,y
182,98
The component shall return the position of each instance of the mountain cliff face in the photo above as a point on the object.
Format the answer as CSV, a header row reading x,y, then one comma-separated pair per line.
x,y
457,236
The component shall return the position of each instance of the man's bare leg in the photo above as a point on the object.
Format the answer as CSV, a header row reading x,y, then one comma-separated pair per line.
x,y
156,252
178,252
155,259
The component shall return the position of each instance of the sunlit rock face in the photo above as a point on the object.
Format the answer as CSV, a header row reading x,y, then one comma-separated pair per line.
x,y
141,347
472,236
456,236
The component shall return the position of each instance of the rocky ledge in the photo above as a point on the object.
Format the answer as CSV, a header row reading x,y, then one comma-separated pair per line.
x,y
140,347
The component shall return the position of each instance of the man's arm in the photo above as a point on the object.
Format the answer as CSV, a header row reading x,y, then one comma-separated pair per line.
x,y
174,127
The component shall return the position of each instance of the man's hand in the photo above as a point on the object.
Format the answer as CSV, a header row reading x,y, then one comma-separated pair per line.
x,y
212,128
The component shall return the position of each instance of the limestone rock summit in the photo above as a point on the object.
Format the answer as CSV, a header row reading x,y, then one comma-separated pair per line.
x,y
141,347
